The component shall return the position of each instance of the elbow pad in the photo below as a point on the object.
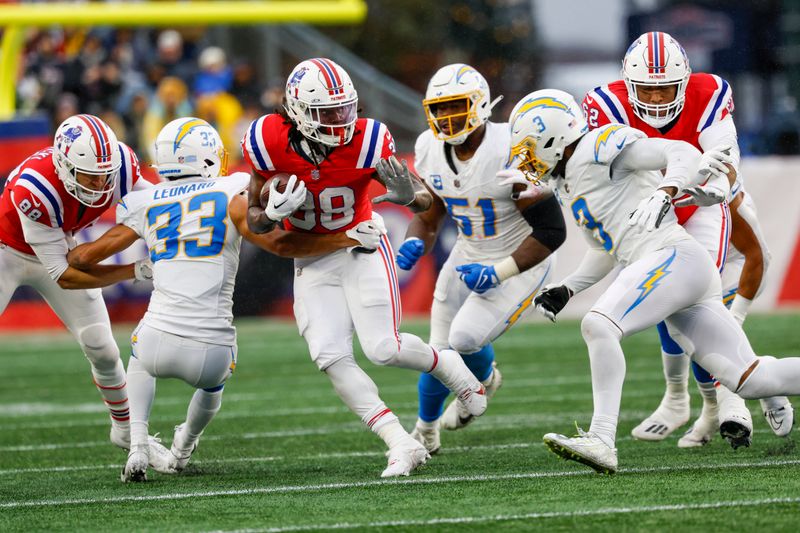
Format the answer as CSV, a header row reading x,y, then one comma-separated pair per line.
x,y
547,222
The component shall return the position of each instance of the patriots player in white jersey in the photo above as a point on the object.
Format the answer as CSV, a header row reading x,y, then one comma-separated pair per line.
x,y
193,223
504,246
611,180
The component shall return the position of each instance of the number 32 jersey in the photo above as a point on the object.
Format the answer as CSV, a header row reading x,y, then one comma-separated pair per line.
x,y
194,246
337,197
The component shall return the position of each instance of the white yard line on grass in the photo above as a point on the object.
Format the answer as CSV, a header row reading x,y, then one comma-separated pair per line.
x,y
381,483
271,458
525,516
493,423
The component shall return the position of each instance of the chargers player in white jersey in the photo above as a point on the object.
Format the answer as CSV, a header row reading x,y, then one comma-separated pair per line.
x,y
192,223
48,198
661,96
612,182
504,246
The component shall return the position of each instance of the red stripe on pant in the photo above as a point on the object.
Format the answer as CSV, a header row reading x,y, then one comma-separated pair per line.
x,y
375,418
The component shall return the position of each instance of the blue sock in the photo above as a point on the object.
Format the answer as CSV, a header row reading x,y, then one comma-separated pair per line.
x,y
432,395
668,344
701,374
480,362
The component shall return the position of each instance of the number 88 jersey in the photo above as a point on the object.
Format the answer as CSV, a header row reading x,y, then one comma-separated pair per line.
x,y
337,196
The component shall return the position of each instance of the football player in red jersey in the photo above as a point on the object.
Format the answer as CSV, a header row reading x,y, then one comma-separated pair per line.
x,y
660,96
48,198
320,139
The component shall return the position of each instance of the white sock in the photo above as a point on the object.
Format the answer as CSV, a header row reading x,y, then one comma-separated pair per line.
x,y
608,373
676,373
427,425
142,389
202,409
709,393
391,432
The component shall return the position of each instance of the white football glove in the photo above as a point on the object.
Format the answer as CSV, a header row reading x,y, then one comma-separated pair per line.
x,y
71,242
398,181
143,269
368,233
651,210
281,205
512,176
717,186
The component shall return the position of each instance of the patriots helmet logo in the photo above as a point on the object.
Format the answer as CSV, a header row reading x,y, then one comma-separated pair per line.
x,y
67,137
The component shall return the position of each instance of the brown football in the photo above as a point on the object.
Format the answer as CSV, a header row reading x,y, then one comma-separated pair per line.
x,y
282,178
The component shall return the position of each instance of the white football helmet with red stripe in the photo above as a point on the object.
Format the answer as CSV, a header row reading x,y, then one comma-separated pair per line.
x,y
85,144
322,101
655,58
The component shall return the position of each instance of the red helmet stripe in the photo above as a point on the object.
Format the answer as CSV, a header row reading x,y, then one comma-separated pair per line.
x,y
333,69
101,142
325,74
662,52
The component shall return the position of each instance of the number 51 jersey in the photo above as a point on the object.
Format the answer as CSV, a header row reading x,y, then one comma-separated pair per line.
x,y
490,225
194,246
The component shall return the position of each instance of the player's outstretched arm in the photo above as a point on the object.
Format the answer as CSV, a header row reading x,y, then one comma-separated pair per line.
x,y
83,271
111,242
745,239
285,243
548,231
257,220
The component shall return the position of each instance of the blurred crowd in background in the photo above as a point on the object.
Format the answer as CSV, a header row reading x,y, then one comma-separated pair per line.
x,y
139,79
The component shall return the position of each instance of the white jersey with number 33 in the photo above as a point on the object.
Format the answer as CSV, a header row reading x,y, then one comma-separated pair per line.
x,y
194,247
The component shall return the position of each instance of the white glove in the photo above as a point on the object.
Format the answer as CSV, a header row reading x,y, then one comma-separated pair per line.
x,y
713,192
651,210
71,242
281,205
397,179
368,233
739,308
713,161
143,269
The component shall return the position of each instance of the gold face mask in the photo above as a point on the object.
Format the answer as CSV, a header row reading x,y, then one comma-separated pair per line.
x,y
451,116
532,167
223,161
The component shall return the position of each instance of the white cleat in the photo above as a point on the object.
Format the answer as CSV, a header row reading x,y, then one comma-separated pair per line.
x,y
120,436
671,414
181,453
427,434
779,414
701,432
405,458
455,375
161,460
456,416
135,469
586,448
735,422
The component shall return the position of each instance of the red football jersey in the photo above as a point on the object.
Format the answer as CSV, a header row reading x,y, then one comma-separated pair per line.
x,y
709,99
34,189
338,198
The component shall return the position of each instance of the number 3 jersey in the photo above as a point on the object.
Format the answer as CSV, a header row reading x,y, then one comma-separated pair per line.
x,y
337,196
489,223
194,246
601,195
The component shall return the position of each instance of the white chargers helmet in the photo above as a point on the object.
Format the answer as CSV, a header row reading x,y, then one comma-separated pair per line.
x,y
656,59
322,101
190,147
85,144
543,124
467,92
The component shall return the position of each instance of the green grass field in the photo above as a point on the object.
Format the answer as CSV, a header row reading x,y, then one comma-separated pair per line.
x,y
285,455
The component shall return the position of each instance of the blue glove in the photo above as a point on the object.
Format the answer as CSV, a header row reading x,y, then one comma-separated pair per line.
x,y
410,252
479,278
